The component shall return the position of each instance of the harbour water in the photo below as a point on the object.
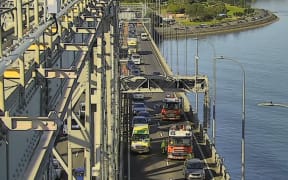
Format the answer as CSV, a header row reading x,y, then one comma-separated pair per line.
x,y
264,56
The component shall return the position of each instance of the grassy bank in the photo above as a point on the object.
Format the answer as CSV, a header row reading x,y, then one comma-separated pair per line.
x,y
260,19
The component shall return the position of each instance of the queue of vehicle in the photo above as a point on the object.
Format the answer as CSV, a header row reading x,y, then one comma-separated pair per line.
x,y
179,144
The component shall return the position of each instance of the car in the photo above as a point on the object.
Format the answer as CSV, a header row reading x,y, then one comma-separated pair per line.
x,y
144,36
57,168
145,114
139,120
156,73
194,169
137,107
130,65
135,72
136,58
138,96
79,173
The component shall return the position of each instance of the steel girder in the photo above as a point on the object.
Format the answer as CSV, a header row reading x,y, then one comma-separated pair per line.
x,y
160,83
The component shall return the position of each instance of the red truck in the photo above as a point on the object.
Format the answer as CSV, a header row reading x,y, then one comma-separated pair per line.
x,y
180,142
171,108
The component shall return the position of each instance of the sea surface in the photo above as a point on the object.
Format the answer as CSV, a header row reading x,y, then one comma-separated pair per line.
x,y
263,53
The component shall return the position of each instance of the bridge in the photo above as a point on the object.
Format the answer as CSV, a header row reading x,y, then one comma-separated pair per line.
x,y
61,64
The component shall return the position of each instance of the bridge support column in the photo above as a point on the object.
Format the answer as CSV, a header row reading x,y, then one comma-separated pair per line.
x,y
36,13
15,18
0,39
98,120
88,120
19,19
2,94
110,126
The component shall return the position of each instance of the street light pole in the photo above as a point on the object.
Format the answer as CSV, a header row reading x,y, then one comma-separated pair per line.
x,y
243,110
196,74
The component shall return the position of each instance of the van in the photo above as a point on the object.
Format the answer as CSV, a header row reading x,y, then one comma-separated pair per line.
x,y
140,139
144,36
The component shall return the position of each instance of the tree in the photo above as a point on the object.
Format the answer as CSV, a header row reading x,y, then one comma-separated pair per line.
x,y
195,10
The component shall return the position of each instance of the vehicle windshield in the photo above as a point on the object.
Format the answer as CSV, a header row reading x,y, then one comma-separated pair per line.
x,y
144,113
140,137
139,106
140,120
180,141
171,105
136,56
194,165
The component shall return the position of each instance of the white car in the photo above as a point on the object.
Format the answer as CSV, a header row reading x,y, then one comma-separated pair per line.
x,y
136,58
144,36
138,96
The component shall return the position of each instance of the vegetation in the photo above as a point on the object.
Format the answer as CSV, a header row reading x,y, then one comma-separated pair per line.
x,y
202,11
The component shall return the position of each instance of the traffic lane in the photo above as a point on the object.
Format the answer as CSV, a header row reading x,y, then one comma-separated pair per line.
x,y
152,166
155,165
150,63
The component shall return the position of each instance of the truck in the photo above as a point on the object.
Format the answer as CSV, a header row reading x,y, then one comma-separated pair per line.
x,y
140,139
172,108
180,142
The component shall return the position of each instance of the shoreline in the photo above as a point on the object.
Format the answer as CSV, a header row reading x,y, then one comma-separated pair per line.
x,y
261,19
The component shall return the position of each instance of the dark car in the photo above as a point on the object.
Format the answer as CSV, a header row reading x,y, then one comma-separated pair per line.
x,y
194,169
130,65
139,120
135,72
145,114
137,107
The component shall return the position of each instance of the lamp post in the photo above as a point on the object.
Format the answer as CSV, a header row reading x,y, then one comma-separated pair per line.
x,y
243,109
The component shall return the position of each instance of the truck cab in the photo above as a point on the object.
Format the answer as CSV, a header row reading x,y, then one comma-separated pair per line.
x,y
180,142
172,108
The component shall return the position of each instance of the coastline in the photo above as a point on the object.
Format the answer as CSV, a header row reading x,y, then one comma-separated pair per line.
x,y
260,19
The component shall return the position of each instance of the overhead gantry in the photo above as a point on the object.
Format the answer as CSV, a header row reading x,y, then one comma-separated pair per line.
x,y
161,83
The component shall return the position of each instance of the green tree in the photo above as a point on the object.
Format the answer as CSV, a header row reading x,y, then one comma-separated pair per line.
x,y
195,10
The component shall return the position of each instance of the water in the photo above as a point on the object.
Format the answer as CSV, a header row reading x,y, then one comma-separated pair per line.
x,y
264,55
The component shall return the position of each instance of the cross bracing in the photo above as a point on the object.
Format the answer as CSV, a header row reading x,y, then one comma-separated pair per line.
x,y
160,83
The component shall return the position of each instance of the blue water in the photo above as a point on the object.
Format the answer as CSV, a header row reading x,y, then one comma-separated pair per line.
x,y
263,53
